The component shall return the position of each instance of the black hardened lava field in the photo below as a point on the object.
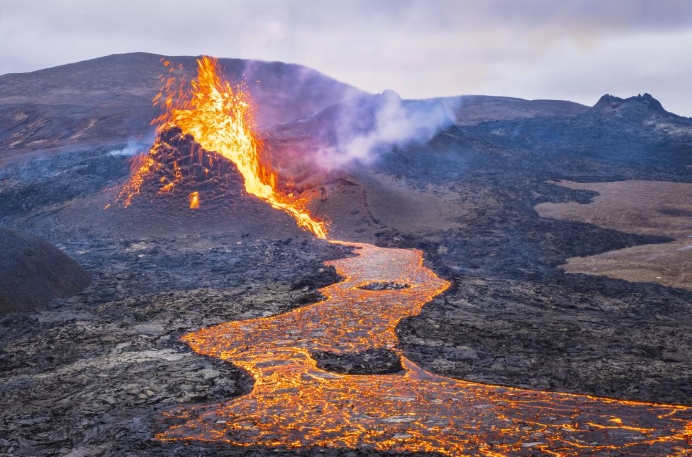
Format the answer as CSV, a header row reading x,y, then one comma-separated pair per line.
x,y
463,291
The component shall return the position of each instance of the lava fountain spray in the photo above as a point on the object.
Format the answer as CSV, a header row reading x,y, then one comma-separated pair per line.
x,y
220,118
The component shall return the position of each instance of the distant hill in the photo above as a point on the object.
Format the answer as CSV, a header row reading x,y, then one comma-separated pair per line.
x,y
361,115
641,108
475,109
108,100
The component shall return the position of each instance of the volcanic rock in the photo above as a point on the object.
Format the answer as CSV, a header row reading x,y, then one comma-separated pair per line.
x,y
33,272
612,102
370,361
118,342
322,278
385,286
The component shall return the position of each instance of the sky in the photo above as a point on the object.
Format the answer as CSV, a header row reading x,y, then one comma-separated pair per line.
x,y
536,49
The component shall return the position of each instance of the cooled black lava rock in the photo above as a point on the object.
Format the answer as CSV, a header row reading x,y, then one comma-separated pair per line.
x,y
385,286
323,277
371,361
33,272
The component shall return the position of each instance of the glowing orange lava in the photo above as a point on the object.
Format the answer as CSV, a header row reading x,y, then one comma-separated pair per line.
x,y
194,200
294,404
220,119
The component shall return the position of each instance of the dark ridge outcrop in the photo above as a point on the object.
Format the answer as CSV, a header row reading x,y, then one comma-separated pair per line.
x,y
33,272
637,109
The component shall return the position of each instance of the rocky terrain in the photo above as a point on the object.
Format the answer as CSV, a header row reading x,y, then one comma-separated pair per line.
x,y
93,374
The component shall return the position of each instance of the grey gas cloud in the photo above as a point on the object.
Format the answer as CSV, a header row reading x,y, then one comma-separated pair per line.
x,y
363,128
561,49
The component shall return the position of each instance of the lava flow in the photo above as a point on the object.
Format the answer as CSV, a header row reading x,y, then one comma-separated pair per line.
x,y
220,119
294,404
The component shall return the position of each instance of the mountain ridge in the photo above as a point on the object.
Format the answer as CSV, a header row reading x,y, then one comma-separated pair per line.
x,y
106,102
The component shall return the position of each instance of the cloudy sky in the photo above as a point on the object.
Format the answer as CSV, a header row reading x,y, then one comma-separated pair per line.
x,y
561,49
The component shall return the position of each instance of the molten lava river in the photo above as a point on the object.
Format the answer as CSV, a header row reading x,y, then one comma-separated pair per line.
x,y
294,404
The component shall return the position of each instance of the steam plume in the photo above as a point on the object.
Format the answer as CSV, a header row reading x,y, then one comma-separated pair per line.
x,y
360,130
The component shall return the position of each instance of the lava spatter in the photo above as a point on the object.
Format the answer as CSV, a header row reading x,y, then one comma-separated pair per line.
x,y
294,404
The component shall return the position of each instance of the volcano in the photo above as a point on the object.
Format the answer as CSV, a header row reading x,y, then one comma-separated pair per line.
x,y
496,288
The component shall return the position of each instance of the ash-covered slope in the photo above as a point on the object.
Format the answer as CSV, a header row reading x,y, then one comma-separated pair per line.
x,y
108,100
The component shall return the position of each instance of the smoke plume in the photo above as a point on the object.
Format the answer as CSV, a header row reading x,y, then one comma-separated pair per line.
x,y
134,147
362,129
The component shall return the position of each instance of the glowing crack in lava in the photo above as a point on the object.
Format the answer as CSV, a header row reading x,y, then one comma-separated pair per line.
x,y
221,120
294,404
